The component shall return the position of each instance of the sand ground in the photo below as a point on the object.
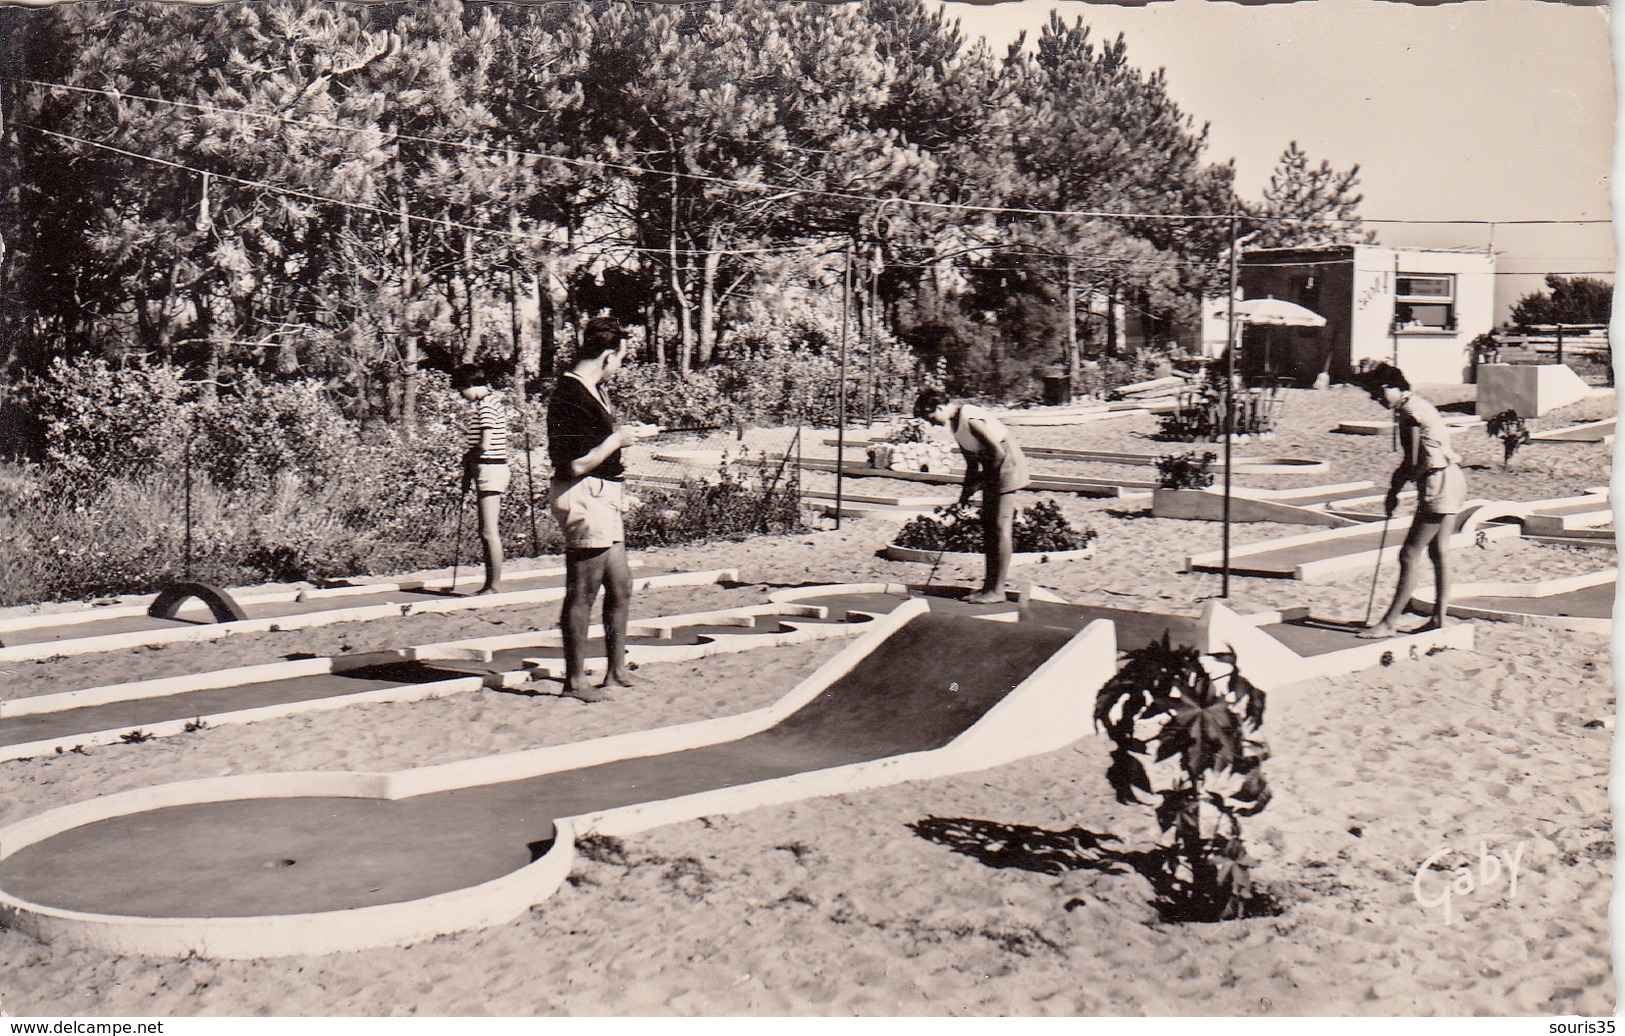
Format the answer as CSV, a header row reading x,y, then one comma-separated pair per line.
x,y
1001,892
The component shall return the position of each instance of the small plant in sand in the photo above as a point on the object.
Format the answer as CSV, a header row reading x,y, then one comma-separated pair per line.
x,y
1509,428
1192,720
1185,470
1038,529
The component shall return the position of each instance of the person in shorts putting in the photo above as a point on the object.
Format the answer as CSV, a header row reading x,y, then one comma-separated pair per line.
x,y
485,464
1441,490
995,465
585,495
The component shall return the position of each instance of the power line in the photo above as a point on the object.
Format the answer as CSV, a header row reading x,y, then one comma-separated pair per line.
x,y
392,213
805,191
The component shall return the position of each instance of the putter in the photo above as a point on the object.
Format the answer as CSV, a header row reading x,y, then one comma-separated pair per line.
x,y
1382,544
944,512
457,543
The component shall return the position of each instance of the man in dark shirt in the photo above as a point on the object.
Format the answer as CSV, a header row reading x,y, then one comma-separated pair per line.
x,y
584,444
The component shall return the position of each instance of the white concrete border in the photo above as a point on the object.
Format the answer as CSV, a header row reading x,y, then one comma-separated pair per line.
x,y
1041,714
1269,663
307,620
1326,570
892,552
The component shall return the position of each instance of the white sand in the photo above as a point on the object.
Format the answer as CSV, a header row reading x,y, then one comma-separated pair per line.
x,y
839,906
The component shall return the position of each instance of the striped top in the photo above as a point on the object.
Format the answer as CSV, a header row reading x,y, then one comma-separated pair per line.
x,y
488,415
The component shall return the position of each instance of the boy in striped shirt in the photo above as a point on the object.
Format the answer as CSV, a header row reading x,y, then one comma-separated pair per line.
x,y
485,463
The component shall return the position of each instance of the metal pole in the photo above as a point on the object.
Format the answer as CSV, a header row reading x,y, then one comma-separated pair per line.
x,y
840,392
1229,403
186,568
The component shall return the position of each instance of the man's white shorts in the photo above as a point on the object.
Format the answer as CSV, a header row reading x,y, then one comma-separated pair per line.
x,y
588,510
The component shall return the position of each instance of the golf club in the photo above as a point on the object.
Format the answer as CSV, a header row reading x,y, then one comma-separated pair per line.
x,y
1382,544
457,543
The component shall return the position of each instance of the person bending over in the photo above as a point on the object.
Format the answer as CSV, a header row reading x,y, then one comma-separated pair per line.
x,y
485,464
1441,489
585,495
995,465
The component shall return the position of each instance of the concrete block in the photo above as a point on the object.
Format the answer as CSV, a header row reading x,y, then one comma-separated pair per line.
x,y
1532,391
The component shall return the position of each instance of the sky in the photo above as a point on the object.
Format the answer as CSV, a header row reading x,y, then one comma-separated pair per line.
x,y
1482,110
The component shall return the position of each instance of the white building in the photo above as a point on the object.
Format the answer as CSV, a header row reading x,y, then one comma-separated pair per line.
x,y
1414,307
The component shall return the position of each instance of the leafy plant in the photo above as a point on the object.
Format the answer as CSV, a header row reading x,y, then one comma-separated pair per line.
x,y
1168,711
1038,529
1200,414
1185,471
1486,348
1509,428
135,737
745,496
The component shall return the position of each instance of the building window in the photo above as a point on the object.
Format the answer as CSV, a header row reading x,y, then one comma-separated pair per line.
x,y
1425,302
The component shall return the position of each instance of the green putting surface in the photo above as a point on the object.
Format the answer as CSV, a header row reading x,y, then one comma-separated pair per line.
x,y
919,689
98,627
1284,561
204,703
131,715
1590,602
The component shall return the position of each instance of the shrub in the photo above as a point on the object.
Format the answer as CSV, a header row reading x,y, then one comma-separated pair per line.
x,y
259,431
101,423
1200,415
1166,704
1185,471
742,498
1510,429
1098,378
1038,529
665,396
791,374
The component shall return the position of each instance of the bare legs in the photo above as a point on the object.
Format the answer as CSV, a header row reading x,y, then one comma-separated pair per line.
x,y
490,507
1433,533
998,524
586,569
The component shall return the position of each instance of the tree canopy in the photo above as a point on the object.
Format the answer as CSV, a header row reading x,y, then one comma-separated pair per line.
x,y
355,191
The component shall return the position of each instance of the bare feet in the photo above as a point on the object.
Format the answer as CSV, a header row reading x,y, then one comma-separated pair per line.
x,y
1430,625
586,692
985,597
1381,631
482,591
620,678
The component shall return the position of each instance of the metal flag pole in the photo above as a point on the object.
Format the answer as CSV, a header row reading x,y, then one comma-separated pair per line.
x,y
1229,404
840,393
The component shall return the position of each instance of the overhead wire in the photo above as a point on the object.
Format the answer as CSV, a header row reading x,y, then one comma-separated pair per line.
x,y
802,190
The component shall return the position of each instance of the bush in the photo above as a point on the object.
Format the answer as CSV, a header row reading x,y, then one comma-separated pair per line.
x,y
1038,529
100,423
258,432
740,499
655,394
1166,704
791,374
1510,429
1185,471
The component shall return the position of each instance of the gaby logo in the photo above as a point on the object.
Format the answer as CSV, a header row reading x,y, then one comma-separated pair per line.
x,y
1434,889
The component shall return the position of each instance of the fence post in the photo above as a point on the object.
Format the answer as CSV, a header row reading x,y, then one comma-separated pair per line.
x,y
1559,343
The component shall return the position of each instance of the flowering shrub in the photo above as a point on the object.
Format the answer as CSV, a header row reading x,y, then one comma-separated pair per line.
x,y
791,374
1509,427
741,498
1038,529
259,431
1185,471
